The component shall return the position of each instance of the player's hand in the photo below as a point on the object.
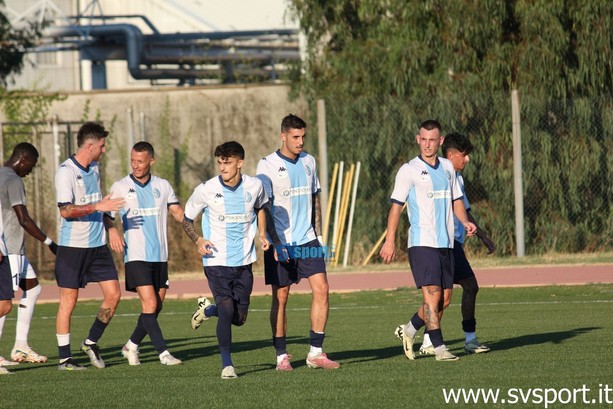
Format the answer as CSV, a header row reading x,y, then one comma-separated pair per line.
x,y
116,240
471,229
491,247
53,247
134,222
281,253
205,247
388,252
109,205
265,242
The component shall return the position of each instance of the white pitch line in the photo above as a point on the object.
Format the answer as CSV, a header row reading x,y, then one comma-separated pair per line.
x,y
365,307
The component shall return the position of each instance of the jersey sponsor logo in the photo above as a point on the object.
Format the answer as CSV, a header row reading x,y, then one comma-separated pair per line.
x,y
439,194
93,198
156,193
248,197
236,218
282,173
296,191
147,211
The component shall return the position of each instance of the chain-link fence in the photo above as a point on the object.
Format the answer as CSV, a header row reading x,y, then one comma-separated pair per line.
x,y
567,149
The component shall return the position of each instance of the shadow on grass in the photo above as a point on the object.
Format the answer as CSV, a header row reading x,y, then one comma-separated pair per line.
x,y
521,341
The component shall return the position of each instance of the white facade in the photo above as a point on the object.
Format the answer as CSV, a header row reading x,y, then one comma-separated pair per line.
x,y
61,71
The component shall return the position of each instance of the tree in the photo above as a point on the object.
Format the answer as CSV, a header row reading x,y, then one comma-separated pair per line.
x,y
14,44
384,66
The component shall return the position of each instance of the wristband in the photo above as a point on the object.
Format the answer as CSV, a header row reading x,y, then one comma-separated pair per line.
x,y
48,241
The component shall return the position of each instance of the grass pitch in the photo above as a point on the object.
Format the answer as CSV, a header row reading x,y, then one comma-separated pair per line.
x,y
544,337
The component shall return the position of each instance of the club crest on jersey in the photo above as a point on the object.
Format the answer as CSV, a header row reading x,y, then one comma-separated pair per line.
x,y
307,170
282,172
156,193
448,174
248,197
80,181
131,194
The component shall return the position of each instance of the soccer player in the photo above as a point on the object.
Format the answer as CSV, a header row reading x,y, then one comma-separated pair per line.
x,y
290,179
16,220
456,148
82,255
232,212
6,289
429,185
144,219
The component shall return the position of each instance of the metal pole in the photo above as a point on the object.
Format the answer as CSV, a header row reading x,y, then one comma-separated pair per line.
x,y
56,163
130,134
517,175
323,158
143,130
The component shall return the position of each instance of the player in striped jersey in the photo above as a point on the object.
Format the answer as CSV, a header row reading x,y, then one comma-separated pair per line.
x,y
428,184
6,287
290,179
82,255
231,206
144,217
456,148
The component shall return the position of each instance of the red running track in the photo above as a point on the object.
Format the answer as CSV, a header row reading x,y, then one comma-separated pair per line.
x,y
385,280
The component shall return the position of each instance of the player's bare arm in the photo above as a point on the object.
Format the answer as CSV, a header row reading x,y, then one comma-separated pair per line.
x,y
491,246
317,223
460,211
272,233
388,250
30,226
107,204
262,229
204,245
177,212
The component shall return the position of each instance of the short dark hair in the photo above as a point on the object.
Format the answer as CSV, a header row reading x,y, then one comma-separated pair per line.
x,y
292,121
144,146
24,149
430,125
90,130
458,142
229,149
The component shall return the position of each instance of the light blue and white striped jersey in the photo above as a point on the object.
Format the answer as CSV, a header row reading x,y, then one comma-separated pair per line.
x,y
429,192
228,219
459,229
145,217
77,185
3,249
290,185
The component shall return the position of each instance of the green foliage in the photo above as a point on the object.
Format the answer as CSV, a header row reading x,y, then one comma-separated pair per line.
x,y
384,67
14,43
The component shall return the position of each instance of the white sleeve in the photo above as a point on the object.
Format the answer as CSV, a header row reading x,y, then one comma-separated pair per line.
x,y
196,203
63,186
402,185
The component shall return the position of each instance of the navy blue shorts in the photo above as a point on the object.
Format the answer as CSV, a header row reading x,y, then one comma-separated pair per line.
x,y
431,266
305,260
230,282
6,280
462,268
141,273
76,267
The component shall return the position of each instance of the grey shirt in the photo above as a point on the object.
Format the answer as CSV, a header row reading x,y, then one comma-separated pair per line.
x,y
12,193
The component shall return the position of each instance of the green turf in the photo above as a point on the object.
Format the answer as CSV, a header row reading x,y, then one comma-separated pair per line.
x,y
542,337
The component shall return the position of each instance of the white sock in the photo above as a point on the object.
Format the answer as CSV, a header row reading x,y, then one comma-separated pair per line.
x,y
470,336
427,342
281,358
63,339
410,330
163,354
440,349
315,351
24,315
89,342
2,324
131,345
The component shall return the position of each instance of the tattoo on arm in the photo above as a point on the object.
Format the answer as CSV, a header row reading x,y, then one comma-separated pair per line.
x,y
317,215
190,230
105,315
76,211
